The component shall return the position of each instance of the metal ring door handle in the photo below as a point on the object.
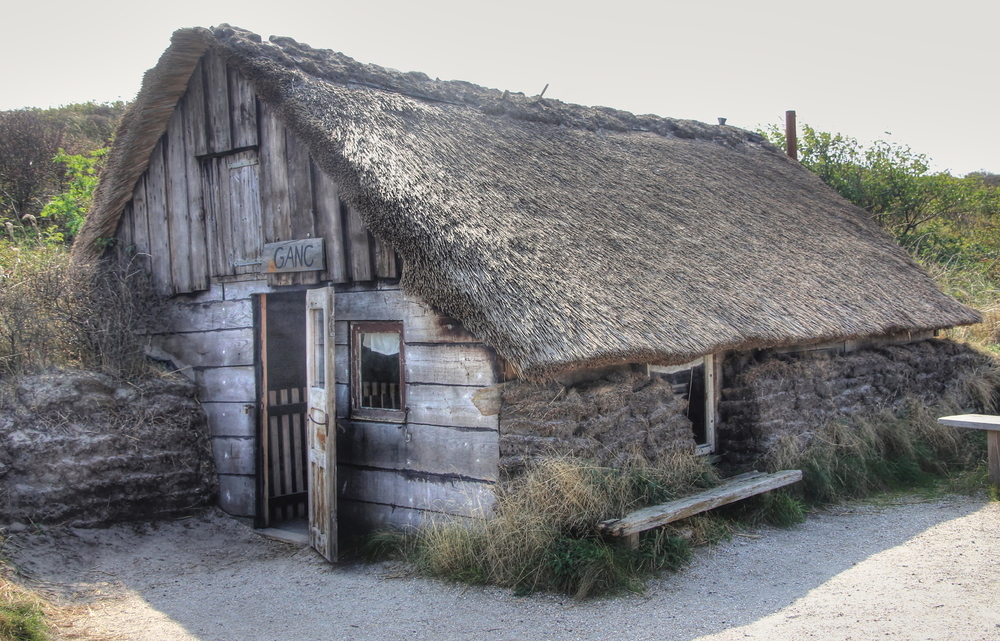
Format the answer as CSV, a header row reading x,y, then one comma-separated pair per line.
x,y
316,409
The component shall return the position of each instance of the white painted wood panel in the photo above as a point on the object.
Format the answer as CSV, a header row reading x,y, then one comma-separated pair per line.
x,y
223,348
446,405
207,316
231,419
237,494
233,455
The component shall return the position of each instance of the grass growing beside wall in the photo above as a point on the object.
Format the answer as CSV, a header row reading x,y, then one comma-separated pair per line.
x,y
21,615
885,451
543,535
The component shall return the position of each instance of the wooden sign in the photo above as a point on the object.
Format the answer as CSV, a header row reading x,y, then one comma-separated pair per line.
x,y
304,255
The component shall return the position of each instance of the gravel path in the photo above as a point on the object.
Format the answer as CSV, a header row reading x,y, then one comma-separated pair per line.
x,y
914,571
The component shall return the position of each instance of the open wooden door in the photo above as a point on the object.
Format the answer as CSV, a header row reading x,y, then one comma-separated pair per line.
x,y
322,415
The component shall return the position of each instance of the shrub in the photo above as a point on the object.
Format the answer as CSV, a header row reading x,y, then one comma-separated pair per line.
x,y
57,312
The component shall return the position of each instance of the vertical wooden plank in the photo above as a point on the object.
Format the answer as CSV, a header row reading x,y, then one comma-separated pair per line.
x,y
385,258
264,440
215,187
272,471
277,222
275,453
140,224
298,478
140,220
300,190
358,251
328,223
286,442
178,225
194,132
217,101
194,112
123,235
243,110
159,233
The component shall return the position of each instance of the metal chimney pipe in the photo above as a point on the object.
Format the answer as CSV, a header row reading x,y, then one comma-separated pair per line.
x,y
791,140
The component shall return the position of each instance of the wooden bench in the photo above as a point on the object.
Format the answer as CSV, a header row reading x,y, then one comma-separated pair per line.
x,y
982,422
729,491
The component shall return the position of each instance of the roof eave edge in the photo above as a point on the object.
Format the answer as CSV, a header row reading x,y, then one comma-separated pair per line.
x,y
141,127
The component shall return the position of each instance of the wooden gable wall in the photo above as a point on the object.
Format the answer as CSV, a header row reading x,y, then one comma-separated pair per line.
x,y
226,178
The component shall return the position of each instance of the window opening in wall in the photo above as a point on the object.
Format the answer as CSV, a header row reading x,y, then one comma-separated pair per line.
x,y
378,390
695,383
319,349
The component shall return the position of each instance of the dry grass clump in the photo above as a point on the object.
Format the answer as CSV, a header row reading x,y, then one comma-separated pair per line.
x,y
56,312
880,451
542,534
976,289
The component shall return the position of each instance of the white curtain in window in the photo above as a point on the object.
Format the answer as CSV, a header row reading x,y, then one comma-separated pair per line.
x,y
382,342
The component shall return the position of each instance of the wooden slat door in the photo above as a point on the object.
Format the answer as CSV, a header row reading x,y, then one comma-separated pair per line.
x,y
321,419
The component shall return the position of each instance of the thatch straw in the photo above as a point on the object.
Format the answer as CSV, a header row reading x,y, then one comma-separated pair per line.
x,y
561,235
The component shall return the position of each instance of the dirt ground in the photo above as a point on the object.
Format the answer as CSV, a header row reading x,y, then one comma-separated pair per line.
x,y
903,570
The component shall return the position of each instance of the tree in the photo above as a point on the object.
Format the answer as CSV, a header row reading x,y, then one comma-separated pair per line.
x,y
67,210
28,142
895,185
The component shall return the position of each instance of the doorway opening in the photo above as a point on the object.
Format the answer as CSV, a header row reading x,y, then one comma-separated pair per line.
x,y
695,382
282,479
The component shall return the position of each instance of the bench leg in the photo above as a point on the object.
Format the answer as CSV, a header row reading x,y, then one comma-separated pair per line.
x,y
993,452
632,540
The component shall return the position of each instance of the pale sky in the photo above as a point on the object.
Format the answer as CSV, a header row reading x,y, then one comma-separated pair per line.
x,y
924,72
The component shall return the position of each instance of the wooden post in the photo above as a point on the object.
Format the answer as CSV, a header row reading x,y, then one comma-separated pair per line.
x,y
993,452
791,140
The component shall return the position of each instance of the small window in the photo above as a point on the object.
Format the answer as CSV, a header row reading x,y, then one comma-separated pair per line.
x,y
378,390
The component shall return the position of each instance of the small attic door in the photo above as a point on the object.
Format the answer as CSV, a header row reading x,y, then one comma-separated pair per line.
x,y
233,212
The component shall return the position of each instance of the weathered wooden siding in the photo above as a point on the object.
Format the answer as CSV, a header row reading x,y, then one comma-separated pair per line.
x,y
227,177
389,474
445,457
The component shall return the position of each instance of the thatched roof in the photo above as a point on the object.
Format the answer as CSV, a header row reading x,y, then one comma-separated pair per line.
x,y
564,235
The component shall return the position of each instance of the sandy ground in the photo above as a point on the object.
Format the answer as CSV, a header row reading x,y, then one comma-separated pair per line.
x,y
918,570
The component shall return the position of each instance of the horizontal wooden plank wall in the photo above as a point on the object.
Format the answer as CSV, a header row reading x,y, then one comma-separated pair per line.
x,y
209,337
227,177
445,458
392,473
